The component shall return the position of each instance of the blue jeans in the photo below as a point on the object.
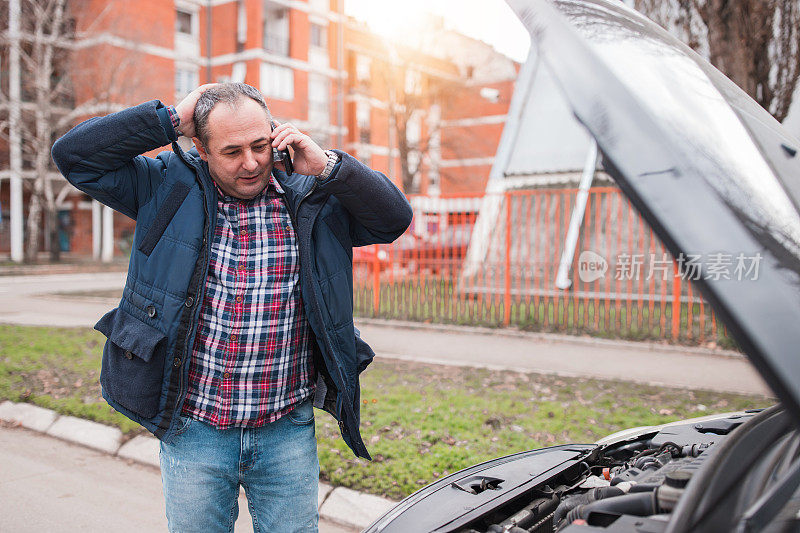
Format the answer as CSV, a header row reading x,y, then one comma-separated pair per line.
x,y
276,464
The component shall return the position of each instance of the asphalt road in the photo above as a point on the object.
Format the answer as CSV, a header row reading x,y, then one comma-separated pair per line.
x,y
50,485
35,300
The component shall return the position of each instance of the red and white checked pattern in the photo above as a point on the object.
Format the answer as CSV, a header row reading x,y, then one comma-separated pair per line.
x,y
252,360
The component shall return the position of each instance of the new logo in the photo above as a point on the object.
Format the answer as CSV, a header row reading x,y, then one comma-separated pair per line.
x,y
591,266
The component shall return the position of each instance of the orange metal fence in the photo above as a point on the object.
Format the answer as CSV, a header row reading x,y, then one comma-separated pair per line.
x,y
500,270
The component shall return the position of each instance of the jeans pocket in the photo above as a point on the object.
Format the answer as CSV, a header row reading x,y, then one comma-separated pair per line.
x,y
183,424
303,414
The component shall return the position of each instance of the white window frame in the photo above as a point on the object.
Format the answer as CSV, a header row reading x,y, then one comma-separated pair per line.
x,y
363,68
322,31
315,115
188,73
192,10
276,81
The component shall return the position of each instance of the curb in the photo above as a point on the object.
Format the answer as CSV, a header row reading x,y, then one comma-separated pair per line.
x,y
346,507
549,337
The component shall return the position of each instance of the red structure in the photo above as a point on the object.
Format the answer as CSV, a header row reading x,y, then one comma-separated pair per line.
x,y
429,120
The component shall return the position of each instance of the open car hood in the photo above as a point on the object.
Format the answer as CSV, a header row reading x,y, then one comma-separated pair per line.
x,y
708,168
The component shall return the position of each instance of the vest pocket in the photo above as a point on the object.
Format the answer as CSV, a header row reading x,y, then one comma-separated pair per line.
x,y
133,362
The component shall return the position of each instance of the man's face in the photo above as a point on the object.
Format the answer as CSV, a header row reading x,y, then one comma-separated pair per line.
x,y
239,148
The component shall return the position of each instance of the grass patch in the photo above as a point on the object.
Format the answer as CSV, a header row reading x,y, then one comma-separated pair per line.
x,y
419,421
59,369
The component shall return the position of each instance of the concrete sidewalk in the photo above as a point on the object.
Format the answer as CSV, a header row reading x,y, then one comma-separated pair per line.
x,y
63,473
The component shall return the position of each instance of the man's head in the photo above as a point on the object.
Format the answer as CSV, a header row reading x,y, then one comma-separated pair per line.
x,y
233,129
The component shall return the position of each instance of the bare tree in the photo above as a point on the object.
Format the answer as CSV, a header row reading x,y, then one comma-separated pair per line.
x,y
407,100
411,94
50,74
756,43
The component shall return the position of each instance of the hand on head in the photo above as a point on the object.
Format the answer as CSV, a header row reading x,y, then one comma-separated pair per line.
x,y
185,109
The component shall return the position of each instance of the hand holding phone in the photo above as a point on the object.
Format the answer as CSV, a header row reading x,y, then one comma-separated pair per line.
x,y
282,156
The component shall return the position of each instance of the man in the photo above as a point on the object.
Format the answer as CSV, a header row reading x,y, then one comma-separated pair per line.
x,y
237,310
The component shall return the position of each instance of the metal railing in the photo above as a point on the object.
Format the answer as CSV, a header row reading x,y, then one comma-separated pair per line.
x,y
500,270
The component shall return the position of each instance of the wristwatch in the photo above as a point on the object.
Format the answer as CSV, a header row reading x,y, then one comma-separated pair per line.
x,y
333,158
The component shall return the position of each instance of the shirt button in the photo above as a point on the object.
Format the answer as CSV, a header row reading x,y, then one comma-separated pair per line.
x,y
189,301
241,266
151,311
128,354
226,375
243,232
234,338
177,362
239,299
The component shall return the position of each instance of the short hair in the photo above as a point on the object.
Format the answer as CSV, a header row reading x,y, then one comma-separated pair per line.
x,y
229,93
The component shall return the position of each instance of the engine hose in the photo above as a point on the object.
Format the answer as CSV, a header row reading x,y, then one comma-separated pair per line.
x,y
637,504
593,495
531,513
644,487
647,463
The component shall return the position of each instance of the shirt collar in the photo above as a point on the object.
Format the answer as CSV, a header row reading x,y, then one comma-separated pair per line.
x,y
230,199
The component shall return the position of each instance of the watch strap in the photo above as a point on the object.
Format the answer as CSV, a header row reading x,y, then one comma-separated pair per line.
x,y
333,158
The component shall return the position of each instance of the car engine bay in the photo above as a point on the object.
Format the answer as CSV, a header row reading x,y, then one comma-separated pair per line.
x,y
743,480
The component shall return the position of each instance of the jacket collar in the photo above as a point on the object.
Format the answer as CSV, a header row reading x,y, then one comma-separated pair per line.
x,y
296,186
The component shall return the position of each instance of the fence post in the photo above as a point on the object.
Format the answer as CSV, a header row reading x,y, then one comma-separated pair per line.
x,y
376,283
676,302
507,281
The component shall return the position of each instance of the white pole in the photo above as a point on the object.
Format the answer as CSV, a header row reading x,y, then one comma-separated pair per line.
x,y
97,228
15,139
107,253
576,220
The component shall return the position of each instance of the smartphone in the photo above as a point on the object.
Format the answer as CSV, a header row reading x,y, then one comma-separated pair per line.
x,y
283,156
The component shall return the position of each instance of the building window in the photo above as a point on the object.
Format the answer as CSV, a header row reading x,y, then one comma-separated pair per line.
x,y
413,82
363,67
186,80
277,81
318,99
184,22
276,29
363,122
414,129
319,36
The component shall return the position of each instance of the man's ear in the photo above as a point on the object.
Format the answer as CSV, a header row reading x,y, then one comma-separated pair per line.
x,y
200,149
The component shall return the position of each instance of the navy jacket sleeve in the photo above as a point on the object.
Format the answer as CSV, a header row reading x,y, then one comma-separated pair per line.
x,y
101,156
379,209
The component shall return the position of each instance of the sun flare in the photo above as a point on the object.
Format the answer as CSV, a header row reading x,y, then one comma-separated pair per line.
x,y
489,20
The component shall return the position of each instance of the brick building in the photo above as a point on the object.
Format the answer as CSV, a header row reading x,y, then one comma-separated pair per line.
x,y
430,121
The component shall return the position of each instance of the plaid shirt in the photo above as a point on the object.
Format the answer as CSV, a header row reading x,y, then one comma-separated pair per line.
x,y
251,361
